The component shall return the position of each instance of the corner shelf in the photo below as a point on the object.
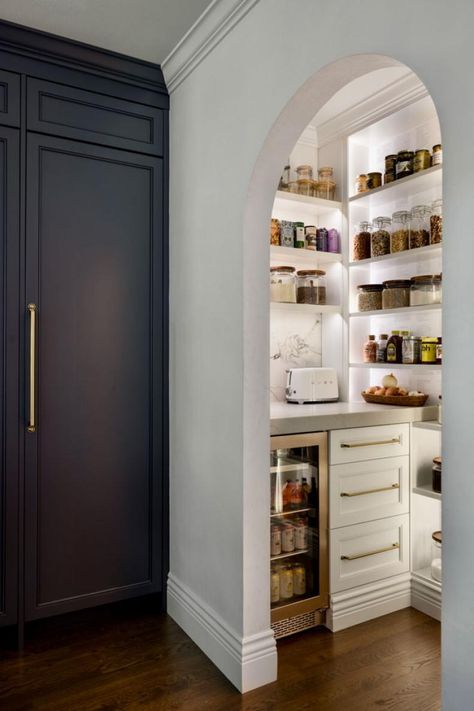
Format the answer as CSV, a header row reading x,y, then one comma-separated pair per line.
x,y
408,255
426,490
402,310
303,257
399,189
397,366
305,308
320,205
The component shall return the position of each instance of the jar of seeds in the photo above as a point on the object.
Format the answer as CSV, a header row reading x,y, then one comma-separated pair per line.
x,y
369,297
380,238
436,222
361,242
399,239
420,226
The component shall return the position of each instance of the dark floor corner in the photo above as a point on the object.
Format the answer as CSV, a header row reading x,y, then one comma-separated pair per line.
x,y
128,656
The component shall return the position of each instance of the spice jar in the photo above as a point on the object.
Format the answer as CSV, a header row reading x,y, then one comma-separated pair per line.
x,y
275,232
436,556
388,178
381,348
275,585
275,540
436,474
370,297
411,349
374,180
311,286
390,163
437,157
436,222
404,164
399,238
299,579
305,187
287,538
286,582
380,238
283,284
361,242
422,160
428,350
304,172
396,293
425,289
310,237
419,226
361,183
370,351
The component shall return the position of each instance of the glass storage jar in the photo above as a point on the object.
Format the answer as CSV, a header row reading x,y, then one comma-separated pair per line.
x,y
361,242
426,289
436,556
325,189
436,474
304,172
411,349
404,164
422,160
305,186
370,297
361,183
399,238
380,238
325,173
283,284
437,157
396,293
420,226
374,180
311,286
436,222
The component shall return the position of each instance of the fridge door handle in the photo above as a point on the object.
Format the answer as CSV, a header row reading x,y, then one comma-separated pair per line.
x,y
32,310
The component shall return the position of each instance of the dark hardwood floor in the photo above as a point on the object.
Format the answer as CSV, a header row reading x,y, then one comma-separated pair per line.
x,y
129,657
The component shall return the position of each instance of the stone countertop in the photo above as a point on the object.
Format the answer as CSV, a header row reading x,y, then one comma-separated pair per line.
x,y
289,418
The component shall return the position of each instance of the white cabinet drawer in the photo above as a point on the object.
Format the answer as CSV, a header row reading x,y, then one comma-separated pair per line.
x,y
367,552
360,443
365,491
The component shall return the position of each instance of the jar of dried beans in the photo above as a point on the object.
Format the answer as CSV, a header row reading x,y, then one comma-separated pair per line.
x,y
436,222
399,239
361,242
380,238
420,226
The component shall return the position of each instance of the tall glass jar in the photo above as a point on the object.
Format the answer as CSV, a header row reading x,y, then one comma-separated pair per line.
x,y
283,284
420,226
436,222
380,238
361,241
311,286
399,238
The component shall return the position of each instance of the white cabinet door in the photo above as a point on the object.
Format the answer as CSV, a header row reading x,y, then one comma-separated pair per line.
x,y
365,491
367,552
362,443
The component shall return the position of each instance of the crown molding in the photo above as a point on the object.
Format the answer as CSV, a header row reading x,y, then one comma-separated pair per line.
x,y
392,98
207,32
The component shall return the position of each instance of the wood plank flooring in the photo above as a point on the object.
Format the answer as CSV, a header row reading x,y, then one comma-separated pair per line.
x,y
131,657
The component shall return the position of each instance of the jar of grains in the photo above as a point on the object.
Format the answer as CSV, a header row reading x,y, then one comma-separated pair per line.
x,y
370,297
361,242
436,222
420,226
400,231
305,187
380,238
396,293
426,289
283,284
311,286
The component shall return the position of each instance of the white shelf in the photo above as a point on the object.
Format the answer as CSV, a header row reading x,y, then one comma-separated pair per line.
x,y
429,425
303,257
403,310
308,308
399,189
424,574
426,490
409,255
396,366
320,206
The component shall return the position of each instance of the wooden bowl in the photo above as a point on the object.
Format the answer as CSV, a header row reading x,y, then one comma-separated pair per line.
x,y
403,400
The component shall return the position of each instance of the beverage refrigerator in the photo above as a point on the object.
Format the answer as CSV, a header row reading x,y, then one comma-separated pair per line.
x,y
298,532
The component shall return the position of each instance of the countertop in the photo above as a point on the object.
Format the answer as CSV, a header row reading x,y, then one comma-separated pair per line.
x,y
289,418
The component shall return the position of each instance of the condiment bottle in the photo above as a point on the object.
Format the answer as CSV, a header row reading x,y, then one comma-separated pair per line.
x,y
381,348
394,348
370,350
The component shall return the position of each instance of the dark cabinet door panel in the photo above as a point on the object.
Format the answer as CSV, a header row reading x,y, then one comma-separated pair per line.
x,y
93,476
9,356
9,98
87,116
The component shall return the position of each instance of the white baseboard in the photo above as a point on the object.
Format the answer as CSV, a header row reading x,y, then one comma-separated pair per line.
x,y
351,607
426,597
248,662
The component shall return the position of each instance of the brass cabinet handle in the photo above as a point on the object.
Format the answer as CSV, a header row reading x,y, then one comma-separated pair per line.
x,y
370,491
32,385
393,547
352,445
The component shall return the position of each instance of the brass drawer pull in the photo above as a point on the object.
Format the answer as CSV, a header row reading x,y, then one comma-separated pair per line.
x,y
370,491
393,547
32,385
348,445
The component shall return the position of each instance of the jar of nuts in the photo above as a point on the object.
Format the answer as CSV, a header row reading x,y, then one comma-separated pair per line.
x,y
361,242
400,231
420,226
380,238
436,222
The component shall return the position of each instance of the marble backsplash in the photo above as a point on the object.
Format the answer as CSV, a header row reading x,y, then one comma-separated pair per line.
x,y
295,342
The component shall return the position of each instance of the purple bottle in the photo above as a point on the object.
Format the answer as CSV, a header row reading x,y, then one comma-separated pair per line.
x,y
333,241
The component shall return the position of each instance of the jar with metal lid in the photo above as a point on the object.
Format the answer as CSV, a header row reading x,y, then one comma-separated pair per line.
x,y
311,286
404,164
437,157
436,222
390,163
436,556
369,297
426,289
380,238
275,585
283,284
287,538
400,233
396,293
361,241
304,172
374,180
361,183
411,350
428,349
306,186
299,579
310,236
436,474
286,582
420,226
422,160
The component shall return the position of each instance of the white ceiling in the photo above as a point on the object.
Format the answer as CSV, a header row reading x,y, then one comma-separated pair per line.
x,y
148,29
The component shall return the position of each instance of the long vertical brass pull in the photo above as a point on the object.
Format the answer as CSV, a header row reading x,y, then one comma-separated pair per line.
x,y
32,394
